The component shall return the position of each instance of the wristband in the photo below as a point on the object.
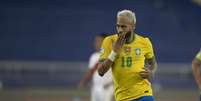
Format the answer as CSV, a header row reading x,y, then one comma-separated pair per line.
x,y
112,56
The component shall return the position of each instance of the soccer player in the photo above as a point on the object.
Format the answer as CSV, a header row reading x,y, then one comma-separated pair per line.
x,y
102,88
125,52
196,64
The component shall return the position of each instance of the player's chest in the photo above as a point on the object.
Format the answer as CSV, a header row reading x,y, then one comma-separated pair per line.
x,y
135,51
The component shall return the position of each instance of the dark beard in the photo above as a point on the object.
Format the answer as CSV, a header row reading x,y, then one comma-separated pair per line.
x,y
128,35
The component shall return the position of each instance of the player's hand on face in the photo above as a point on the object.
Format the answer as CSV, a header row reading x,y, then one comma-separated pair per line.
x,y
146,73
119,43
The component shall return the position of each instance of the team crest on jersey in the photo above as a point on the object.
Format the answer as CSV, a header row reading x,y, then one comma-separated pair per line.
x,y
127,50
137,51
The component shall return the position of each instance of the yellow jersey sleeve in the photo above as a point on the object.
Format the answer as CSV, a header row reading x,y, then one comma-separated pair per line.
x,y
198,56
106,48
149,54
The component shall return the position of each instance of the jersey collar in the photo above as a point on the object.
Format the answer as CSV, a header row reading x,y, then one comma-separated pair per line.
x,y
132,38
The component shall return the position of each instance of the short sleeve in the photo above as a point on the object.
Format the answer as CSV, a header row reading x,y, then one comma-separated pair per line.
x,y
105,48
150,53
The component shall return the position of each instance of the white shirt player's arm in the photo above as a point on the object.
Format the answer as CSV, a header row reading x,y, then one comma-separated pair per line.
x,y
107,79
92,67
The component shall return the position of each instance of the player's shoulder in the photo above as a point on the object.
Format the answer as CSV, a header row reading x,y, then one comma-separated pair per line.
x,y
143,37
111,37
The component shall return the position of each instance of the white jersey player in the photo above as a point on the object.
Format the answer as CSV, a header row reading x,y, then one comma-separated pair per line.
x,y
102,87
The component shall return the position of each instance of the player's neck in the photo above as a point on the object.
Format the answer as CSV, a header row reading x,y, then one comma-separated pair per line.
x,y
131,38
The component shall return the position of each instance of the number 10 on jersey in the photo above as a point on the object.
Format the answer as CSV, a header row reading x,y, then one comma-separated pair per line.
x,y
126,61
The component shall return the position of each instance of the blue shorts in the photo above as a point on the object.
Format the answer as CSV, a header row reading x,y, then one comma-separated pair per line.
x,y
145,98
200,97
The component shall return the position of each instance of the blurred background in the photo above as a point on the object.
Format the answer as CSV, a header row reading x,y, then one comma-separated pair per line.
x,y
45,45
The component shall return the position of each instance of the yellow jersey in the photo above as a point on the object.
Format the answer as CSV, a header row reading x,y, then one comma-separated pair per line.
x,y
198,56
128,83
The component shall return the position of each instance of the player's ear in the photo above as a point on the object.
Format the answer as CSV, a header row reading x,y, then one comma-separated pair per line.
x,y
133,25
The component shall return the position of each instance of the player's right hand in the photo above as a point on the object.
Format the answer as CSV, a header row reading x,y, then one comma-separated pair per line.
x,y
119,43
146,73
